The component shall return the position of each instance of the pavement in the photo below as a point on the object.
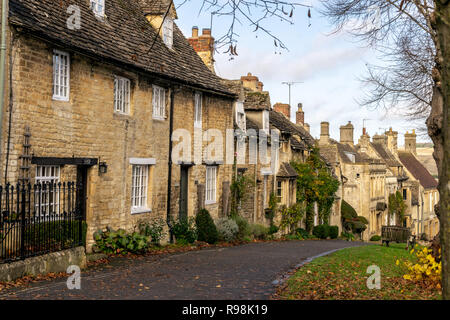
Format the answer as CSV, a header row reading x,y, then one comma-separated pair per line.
x,y
246,272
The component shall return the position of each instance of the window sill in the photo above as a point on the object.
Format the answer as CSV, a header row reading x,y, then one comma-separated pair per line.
x,y
159,118
60,99
207,203
140,210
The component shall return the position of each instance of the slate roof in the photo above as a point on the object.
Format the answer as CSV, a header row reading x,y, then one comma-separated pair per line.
x,y
386,155
329,153
124,37
157,7
279,121
417,170
286,171
343,148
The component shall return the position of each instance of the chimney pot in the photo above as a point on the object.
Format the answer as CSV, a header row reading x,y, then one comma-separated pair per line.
x,y
206,32
324,133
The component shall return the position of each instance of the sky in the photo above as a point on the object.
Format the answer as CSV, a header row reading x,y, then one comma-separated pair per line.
x,y
329,65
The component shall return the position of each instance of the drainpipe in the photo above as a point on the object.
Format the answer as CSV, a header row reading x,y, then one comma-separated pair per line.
x,y
2,64
169,173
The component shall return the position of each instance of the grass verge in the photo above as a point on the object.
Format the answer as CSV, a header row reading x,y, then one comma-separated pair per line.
x,y
343,275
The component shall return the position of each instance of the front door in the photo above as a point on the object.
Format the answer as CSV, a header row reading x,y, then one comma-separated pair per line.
x,y
184,192
81,190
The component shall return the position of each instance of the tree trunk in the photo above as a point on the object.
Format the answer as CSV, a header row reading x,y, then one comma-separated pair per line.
x,y
442,137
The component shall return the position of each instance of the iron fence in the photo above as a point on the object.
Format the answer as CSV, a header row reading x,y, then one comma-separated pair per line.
x,y
36,219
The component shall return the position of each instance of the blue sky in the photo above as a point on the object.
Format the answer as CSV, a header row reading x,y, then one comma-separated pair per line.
x,y
328,64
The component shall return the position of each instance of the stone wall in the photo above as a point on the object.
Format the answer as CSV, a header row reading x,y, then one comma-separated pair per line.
x,y
86,126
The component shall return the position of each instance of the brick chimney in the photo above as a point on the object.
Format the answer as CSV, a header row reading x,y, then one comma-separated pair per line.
x,y
410,141
252,82
392,140
283,108
347,133
204,46
324,133
300,115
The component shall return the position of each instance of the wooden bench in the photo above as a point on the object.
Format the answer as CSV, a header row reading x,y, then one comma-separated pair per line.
x,y
397,234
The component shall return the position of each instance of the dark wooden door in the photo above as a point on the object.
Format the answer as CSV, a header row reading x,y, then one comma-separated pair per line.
x,y
184,192
82,190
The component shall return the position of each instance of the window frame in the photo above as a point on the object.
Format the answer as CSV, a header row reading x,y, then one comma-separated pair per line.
x,y
126,95
57,75
94,7
41,177
198,109
280,191
140,200
211,185
161,115
167,32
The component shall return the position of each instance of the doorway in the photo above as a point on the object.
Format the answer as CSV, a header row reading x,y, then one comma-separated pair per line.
x,y
184,186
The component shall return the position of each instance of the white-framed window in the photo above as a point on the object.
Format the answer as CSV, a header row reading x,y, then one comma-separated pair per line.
x,y
266,122
47,198
139,188
159,103
121,95
198,110
167,32
98,6
61,75
211,184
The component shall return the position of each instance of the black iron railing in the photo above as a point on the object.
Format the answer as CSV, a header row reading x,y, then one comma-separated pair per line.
x,y
38,219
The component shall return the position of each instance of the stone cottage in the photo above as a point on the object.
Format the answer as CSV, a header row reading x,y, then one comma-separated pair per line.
x,y
96,94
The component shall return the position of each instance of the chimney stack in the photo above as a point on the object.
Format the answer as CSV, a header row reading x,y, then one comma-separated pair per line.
x,y
307,127
380,139
204,46
324,133
283,108
252,82
392,140
300,115
347,133
410,142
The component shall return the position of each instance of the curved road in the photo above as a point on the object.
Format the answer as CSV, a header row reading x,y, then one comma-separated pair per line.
x,y
232,273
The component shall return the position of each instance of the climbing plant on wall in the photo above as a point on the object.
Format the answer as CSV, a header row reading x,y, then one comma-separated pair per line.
x,y
397,206
315,184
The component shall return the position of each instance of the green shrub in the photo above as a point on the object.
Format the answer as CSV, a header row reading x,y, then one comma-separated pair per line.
x,y
120,241
244,228
293,237
153,229
259,231
348,236
375,238
206,229
273,229
184,231
227,229
333,232
302,232
321,231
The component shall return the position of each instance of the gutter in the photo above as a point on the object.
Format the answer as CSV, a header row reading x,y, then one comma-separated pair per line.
x,y
3,63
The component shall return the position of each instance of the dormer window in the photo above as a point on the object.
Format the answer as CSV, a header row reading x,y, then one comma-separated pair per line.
x,y
167,32
98,7
350,156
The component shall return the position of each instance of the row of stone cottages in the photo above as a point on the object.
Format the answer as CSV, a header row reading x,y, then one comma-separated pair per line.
x,y
98,103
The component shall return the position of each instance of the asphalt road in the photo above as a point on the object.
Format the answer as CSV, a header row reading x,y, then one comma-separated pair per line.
x,y
243,272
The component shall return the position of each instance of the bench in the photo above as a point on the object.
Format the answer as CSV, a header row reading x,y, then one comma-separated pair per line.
x,y
397,234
